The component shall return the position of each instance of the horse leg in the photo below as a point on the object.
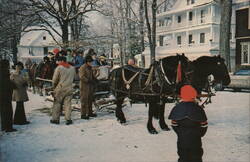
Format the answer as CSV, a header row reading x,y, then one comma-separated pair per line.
x,y
162,122
40,87
33,87
118,111
150,126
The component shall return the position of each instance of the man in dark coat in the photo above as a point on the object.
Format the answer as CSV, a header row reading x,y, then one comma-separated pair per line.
x,y
189,121
6,87
87,83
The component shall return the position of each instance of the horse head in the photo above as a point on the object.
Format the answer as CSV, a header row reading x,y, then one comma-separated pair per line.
x,y
211,65
220,71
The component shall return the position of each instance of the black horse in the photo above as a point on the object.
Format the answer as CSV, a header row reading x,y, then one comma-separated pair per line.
x,y
152,85
158,84
208,65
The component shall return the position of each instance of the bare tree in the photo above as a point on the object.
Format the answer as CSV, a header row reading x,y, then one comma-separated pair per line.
x,y
225,26
141,29
62,13
151,23
12,24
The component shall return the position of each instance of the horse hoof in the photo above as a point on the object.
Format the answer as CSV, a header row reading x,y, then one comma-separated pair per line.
x,y
153,132
122,121
166,129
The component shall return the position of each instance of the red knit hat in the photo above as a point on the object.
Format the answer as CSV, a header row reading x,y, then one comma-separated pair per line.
x,y
188,93
56,51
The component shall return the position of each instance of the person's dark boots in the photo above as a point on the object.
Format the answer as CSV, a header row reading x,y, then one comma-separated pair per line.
x,y
23,123
10,130
92,115
54,121
84,117
68,122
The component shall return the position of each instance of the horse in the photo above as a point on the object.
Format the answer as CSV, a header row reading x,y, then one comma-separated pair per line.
x,y
149,86
152,85
205,66
32,76
43,70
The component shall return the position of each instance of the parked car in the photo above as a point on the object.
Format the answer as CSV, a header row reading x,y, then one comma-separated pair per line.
x,y
239,80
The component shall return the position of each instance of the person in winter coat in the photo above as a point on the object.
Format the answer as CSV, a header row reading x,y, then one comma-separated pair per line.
x,y
19,94
6,88
70,57
87,84
189,122
78,60
62,83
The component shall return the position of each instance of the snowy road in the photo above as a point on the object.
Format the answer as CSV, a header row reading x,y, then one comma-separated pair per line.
x,y
103,139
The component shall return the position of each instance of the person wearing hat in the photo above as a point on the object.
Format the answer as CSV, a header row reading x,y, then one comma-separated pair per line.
x,y
87,84
19,94
189,122
70,57
102,60
62,82
95,61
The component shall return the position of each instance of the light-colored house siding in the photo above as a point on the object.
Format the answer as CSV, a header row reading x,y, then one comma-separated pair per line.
x,y
35,44
205,19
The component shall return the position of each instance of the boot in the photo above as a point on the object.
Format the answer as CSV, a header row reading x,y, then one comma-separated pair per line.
x,y
84,117
68,122
54,121
92,115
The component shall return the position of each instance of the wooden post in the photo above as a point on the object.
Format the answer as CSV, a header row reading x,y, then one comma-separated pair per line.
x,y
6,87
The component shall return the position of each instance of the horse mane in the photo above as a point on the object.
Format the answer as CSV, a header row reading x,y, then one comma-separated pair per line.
x,y
207,59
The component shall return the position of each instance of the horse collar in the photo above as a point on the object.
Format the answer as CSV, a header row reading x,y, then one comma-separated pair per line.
x,y
165,76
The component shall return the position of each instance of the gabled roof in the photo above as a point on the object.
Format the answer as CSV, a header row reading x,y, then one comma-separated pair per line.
x,y
35,38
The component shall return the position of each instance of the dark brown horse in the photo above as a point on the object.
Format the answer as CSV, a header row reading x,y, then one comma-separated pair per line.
x,y
152,85
158,84
43,70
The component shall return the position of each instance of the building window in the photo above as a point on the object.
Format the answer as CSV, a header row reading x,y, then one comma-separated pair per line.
x,y
190,2
190,16
31,51
161,22
202,37
44,37
179,19
168,21
161,40
245,53
190,39
45,50
202,16
179,40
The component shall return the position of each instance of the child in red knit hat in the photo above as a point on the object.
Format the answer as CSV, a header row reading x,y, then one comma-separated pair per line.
x,y
189,122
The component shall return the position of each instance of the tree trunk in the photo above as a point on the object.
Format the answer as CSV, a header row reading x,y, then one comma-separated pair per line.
x,y
225,26
154,9
141,9
151,31
65,34
6,111
14,48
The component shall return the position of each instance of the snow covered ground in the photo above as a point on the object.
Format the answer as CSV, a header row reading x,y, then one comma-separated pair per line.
x,y
103,139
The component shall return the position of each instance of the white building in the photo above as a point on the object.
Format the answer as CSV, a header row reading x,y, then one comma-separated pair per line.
x,y
191,27
35,44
